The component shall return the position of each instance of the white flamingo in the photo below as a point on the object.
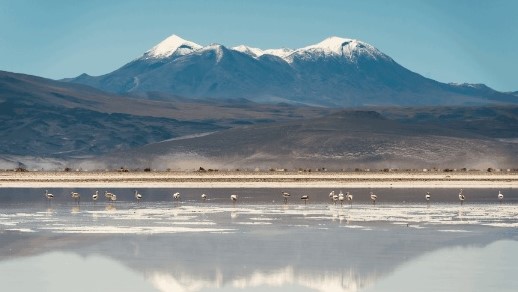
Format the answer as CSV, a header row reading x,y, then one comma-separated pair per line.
x,y
138,196
373,198
331,195
335,197
500,196
349,198
305,198
95,196
461,197
233,198
286,196
76,196
203,197
108,195
341,198
48,195
176,196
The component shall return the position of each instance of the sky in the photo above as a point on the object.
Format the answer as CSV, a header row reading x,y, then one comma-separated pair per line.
x,y
458,41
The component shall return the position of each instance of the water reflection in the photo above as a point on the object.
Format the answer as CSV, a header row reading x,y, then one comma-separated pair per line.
x,y
58,271
75,210
220,247
49,211
461,268
489,268
342,218
461,215
110,208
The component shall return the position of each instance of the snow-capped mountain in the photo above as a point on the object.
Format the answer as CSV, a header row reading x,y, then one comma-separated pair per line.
x,y
334,72
335,47
254,52
172,46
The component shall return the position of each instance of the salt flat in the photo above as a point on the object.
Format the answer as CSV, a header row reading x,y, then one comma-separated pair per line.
x,y
260,179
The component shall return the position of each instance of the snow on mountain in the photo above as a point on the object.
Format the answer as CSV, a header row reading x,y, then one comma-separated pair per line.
x,y
332,46
282,53
469,85
172,45
217,48
334,72
337,47
254,52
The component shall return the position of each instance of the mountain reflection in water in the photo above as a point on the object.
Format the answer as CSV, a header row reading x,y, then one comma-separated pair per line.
x,y
488,268
215,246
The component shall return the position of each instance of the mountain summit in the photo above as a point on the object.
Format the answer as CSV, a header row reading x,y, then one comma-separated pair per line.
x,y
340,47
173,45
336,72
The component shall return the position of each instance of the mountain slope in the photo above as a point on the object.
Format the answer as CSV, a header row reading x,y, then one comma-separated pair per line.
x,y
349,139
41,117
335,72
44,117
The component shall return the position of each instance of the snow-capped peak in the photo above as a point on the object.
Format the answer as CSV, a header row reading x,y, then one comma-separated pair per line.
x,y
336,46
254,52
172,45
349,49
333,44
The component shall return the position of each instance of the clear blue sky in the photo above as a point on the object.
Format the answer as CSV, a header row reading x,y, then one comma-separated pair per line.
x,y
450,41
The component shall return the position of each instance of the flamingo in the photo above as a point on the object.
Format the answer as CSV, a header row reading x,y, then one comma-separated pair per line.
x,y
428,196
48,195
138,196
349,198
341,198
305,198
461,197
233,198
373,198
95,196
113,198
176,196
286,196
331,195
76,196
204,197
108,195
335,197
500,196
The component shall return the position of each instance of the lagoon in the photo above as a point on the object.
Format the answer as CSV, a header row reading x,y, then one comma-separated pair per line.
x,y
400,244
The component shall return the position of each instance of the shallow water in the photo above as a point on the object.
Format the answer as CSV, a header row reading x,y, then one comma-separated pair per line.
x,y
264,195
400,244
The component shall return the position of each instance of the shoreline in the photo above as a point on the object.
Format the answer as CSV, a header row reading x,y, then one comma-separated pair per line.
x,y
258,179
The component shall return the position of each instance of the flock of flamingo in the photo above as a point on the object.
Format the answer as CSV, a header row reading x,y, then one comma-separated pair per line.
x,y
340,197
428,196
111,197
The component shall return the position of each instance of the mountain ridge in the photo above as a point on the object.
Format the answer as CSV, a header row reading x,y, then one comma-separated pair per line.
x,y
336,72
